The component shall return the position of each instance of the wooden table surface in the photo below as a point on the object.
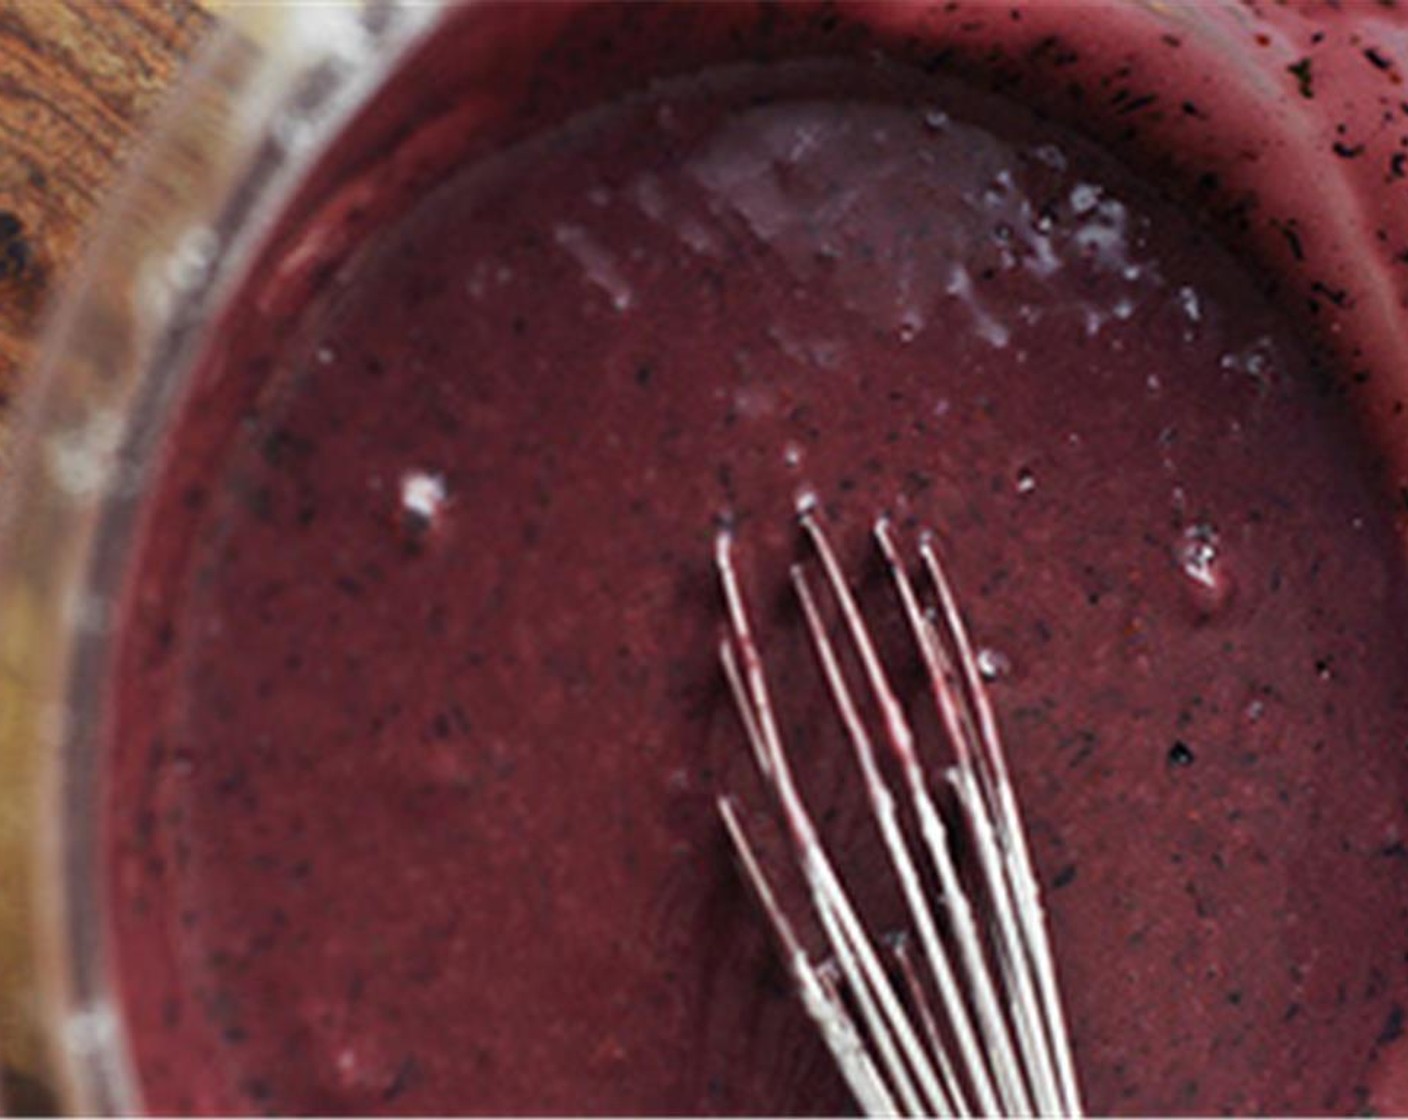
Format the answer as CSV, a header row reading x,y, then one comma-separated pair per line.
x,y
78,81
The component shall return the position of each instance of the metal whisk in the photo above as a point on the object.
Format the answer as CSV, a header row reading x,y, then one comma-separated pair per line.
x,y
970,1023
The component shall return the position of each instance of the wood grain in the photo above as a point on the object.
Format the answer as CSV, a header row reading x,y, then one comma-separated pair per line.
x,y
78,82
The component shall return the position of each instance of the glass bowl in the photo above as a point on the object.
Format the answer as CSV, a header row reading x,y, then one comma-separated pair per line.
x,y
1286,123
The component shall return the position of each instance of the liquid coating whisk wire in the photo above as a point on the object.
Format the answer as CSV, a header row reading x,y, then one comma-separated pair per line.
x,y
966,1020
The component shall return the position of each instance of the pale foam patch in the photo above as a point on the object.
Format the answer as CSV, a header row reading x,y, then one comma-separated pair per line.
x,y
832,189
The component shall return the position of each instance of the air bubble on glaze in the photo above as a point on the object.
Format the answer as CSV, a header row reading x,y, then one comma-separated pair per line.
x,y
1190,304
423,496
792,454
1084,197
1026,481
1202,560
1104,237
911,323
1255,361
597,263
1197,554
993,664
1000,188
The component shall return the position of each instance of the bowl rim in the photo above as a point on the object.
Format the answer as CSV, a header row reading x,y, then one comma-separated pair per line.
x,y
252,112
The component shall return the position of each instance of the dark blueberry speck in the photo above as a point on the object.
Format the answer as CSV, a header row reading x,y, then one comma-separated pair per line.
x,y
1305,81
1180,755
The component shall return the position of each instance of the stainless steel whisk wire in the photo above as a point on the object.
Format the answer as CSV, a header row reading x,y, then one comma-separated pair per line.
x,y
1007,1051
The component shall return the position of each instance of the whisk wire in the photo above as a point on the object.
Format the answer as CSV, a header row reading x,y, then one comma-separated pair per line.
x,y
899,950
899,1047
991,1020
819,997
887,1061
883,804
990,808
1021,877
